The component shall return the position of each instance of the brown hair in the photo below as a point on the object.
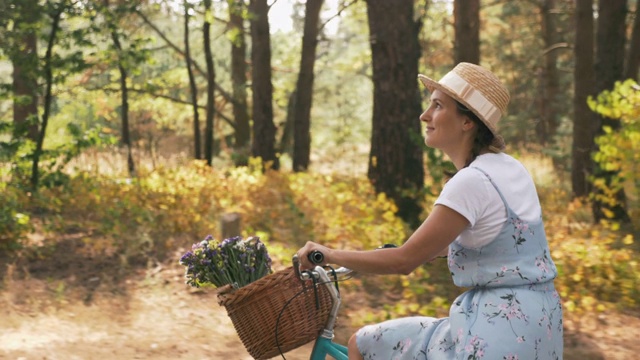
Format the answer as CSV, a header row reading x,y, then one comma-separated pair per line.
x,y
484,138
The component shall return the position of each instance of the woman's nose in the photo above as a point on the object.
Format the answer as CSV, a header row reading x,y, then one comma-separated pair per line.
x,y
424,117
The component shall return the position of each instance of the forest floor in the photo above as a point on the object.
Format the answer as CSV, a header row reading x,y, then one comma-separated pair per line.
x,y
64,309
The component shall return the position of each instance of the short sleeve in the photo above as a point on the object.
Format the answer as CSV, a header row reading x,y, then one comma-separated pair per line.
x,y
467,193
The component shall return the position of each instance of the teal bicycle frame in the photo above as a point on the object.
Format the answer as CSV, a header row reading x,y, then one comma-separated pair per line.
x,y
324,343
324,347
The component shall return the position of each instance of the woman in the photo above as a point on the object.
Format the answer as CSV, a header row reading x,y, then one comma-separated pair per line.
x,y
488,221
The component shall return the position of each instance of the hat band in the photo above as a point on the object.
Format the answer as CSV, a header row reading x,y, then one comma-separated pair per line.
x,y
474,98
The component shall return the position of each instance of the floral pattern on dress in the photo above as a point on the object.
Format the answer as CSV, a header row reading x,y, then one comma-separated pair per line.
x,y
474,348
510,311
521,230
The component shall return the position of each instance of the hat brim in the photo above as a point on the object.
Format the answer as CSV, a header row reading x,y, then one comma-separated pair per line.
x,y
433,85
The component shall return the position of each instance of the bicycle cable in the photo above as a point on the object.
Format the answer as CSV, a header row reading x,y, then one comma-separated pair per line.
x,y
304,289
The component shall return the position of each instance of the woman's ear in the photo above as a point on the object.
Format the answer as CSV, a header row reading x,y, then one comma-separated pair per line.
x,y
468,124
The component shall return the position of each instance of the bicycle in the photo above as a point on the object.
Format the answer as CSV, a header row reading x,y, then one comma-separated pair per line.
x,y
324,344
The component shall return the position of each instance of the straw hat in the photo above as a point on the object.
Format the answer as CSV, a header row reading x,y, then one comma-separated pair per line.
x,y
479,90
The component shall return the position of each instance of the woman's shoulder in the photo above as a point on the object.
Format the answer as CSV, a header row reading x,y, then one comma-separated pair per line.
x,y
500,165
500,158
468,179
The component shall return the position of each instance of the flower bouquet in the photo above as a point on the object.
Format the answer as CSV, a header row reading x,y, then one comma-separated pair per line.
x,y
235,261
272,312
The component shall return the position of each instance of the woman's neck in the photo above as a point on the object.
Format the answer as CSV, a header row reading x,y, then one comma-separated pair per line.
x,y
462,159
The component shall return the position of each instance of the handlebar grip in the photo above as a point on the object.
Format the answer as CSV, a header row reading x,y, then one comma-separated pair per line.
x,y
387,246
316,257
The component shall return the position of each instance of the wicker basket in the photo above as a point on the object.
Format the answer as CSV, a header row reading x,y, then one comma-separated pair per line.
x,y
254,311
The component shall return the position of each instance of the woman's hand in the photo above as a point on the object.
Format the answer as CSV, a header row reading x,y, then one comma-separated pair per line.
x,y
309,247
430,240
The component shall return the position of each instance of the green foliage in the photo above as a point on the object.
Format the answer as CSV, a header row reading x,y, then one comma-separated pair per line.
x,y
15,221
17,152
619,149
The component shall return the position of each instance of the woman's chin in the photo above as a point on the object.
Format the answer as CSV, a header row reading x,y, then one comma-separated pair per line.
x,y
429,142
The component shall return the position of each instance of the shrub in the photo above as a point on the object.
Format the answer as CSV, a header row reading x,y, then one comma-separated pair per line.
x,y
15,222
619,150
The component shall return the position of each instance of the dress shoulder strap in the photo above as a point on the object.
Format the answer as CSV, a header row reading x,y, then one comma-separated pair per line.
x,y
504,201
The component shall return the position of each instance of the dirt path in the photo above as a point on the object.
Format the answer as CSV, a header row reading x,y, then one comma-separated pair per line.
x,y
159,318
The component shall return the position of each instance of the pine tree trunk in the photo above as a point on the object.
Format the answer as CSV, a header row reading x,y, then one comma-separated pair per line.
x,y
395,160
264,130
211,78
48,76
124,103
197,137
548,125
584,85
239,78
466,15
24,58
304,87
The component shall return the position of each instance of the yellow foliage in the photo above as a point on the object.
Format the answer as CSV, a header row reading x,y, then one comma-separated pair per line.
x,y
619,149
169,208
166,209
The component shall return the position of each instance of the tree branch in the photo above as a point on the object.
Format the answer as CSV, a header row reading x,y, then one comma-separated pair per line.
x,y
197,67
228,120
343,8
562,45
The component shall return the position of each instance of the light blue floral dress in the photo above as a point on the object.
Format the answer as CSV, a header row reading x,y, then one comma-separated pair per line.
x,y
512,310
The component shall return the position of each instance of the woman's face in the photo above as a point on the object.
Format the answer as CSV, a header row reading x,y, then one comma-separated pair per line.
x,y
445,125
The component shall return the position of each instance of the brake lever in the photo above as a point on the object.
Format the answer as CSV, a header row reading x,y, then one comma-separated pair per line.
x,y
296,266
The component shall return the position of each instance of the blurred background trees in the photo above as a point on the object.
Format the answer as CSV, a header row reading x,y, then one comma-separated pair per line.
x,y
331,83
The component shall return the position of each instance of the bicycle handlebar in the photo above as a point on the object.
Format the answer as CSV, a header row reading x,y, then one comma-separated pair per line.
x,y
316,257
308,274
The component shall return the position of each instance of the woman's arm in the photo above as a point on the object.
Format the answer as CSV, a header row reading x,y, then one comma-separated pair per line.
x,y
430,240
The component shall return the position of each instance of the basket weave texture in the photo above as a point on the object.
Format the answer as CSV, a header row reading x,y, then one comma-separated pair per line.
x,y
254,311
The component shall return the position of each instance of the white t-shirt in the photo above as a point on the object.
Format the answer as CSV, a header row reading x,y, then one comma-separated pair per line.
x,y
471,194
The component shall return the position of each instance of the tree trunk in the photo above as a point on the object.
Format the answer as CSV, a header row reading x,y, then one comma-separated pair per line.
x,y
395,160
211,76
548,125
24,59
197,144
609,68
239,79
304,87
264,130
466,14
584,85
126,138
286,136
48,72
633,56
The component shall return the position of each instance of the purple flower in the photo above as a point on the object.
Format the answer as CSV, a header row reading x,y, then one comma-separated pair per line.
x,y
234,261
